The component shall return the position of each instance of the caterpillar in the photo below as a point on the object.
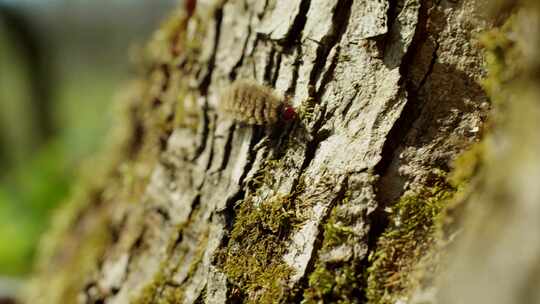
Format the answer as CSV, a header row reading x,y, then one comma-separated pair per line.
x,y
254,104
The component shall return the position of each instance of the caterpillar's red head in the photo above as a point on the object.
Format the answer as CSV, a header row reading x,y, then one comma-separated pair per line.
x,y
288,113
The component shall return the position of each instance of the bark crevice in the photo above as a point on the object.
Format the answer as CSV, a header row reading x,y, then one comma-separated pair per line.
x,y
303,282
295,32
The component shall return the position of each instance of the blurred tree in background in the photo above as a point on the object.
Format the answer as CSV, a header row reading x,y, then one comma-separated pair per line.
x,y
60,63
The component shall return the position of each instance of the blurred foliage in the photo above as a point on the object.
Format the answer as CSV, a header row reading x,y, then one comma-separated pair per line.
x,y
27,196
37,177
16,135
86,49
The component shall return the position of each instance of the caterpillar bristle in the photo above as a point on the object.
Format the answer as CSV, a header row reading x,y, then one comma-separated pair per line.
x,y
252,103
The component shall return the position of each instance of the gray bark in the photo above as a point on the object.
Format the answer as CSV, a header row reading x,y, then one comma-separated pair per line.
x,y
387,95
497,258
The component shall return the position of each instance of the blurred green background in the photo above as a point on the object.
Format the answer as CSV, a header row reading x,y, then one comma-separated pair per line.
x,y
61,63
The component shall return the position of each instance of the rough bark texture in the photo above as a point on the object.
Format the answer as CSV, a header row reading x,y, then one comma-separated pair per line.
x,y
337,206
497,260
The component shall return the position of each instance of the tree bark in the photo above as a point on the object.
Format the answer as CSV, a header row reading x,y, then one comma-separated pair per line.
x,y
188,206
496,260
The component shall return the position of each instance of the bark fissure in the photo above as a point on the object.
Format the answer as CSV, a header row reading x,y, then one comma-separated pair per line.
x,y
163,213
211,137
228,148
166,70
411,112
205,83
328,77
303,283
233,72
169,269
269,67
274,79
379,219
295,70
430,68
297,27
204,133
207,79
136,245
402,126
340,19
229,212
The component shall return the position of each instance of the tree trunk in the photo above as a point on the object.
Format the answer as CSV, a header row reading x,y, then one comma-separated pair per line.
x,y
341,205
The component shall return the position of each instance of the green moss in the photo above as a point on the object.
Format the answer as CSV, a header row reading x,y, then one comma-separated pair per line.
x,y
336,232
167,41
91,253
306,111
149,292
199,254
252,259
77,262
411,235
259,238
171,296
410,248
74,247
502,60
157,291
467,165
79,231
336,282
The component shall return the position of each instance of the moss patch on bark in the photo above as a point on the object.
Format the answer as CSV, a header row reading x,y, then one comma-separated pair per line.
x,y
252,259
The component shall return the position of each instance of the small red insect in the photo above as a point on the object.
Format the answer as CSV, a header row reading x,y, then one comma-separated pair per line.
x,y
288,113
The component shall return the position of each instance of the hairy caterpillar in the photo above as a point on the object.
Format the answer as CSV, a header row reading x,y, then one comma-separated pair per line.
x,y
249,102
